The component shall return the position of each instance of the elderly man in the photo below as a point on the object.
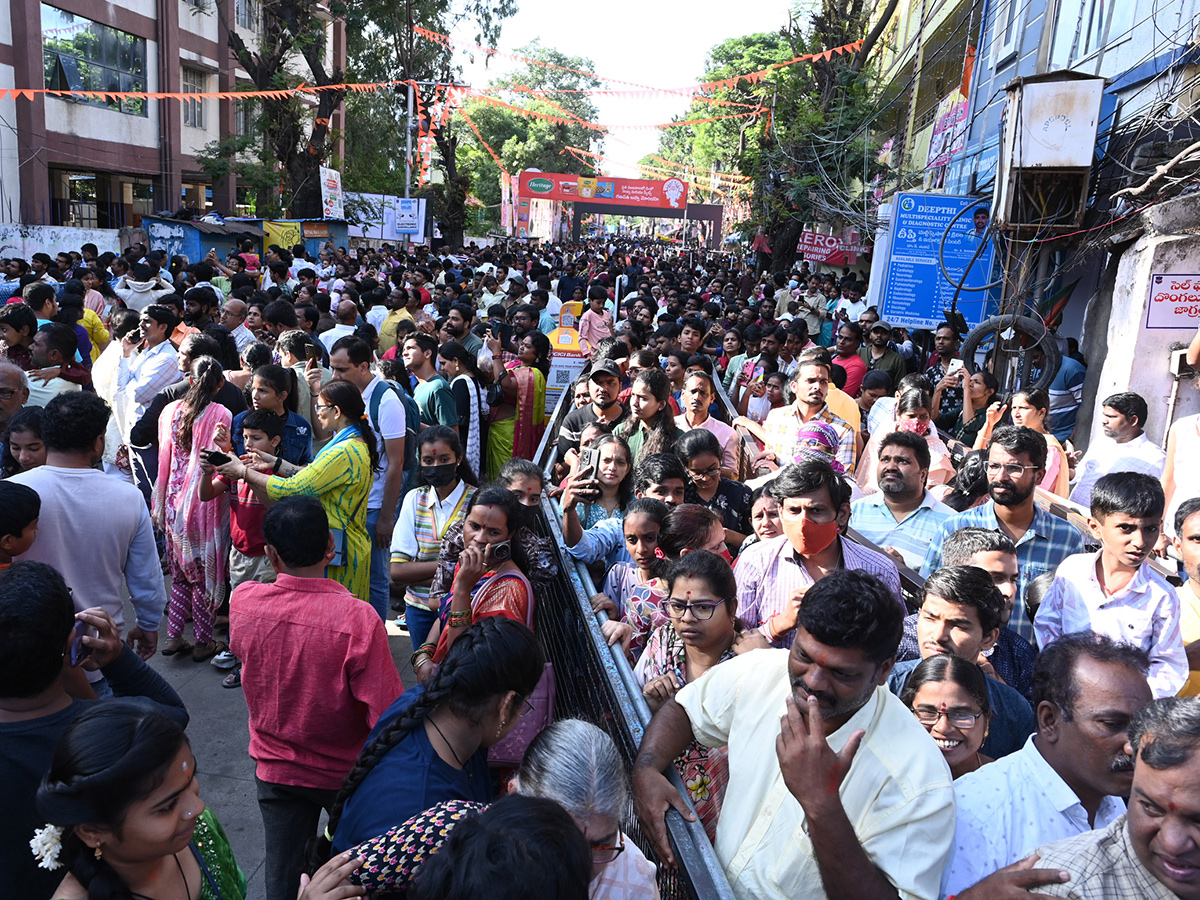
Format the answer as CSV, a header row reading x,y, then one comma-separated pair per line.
x,y
1072,775
902,517
960,616
774,575
1124,447
834,788
347,321
1016,464
1151,851
14,392
233,317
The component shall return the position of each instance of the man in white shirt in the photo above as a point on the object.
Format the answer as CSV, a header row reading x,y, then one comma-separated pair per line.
x,y
1070,777
347,321
1124,447
834,788
350,360
233,317
141,374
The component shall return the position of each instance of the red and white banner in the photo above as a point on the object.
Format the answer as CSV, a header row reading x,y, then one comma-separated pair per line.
x,y
671,193
830,249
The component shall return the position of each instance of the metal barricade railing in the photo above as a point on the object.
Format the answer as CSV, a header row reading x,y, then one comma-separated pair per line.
x,y
595,682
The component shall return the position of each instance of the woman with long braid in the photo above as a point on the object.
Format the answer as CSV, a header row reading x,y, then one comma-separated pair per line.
x,y
431,745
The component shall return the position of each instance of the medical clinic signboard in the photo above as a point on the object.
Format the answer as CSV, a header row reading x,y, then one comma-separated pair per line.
x,y
1174,301
669,194
915,292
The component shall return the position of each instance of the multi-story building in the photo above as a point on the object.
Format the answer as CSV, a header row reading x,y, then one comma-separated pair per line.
x,y
106,162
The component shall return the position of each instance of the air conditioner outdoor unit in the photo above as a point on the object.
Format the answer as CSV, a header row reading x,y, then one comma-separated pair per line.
x,y
1047,142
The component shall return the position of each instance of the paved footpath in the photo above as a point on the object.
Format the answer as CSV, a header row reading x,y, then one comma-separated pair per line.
x,y
220,738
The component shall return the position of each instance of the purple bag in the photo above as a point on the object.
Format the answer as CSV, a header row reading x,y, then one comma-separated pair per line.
x,y
508,753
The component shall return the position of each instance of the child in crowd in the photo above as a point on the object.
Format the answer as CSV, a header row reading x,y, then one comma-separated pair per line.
x,y
23,445
262,430
642,523
1115,592
20,507
596,323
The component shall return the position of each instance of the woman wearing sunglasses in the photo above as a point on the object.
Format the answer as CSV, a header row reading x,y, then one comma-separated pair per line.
x,y
703,632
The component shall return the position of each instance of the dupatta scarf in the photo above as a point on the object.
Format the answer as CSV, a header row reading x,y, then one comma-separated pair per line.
x,y
201,527
530,420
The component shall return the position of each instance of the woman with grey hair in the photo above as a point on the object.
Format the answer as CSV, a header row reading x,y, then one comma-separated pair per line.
x,y
576,764
571,762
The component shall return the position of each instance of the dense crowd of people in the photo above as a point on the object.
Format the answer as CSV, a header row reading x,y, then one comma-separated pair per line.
x,y
900,639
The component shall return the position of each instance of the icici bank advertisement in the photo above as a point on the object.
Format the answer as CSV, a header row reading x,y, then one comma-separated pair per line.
x,y
669,194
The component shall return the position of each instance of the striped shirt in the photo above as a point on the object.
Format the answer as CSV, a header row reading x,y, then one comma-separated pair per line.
x,y
770,571
783,424
871,517
1046,543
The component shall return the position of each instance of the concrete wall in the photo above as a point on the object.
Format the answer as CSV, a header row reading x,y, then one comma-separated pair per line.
x,y
1126,355
25,240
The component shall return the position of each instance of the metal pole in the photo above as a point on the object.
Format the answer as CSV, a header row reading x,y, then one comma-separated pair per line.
x,y
408,129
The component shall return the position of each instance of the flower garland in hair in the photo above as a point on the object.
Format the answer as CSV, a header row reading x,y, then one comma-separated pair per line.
x,y
46,845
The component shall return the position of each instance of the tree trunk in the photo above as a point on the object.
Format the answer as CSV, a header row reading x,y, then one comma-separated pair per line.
x,y
454,191
783,245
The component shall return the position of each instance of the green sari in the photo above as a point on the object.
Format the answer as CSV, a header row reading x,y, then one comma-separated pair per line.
x,y
220,877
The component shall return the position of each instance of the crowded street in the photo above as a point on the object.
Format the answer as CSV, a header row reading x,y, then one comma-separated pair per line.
x,y
434,466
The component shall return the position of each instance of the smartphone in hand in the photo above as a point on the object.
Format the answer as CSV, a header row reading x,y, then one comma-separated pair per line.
x,y
216,457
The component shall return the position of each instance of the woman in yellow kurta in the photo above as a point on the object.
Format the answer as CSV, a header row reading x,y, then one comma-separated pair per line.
x,y
340,477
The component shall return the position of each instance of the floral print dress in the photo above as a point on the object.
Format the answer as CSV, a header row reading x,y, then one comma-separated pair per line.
x,y
704,770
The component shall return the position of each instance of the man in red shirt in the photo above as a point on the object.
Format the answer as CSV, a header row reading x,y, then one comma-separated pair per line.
x,y
317,674
849,338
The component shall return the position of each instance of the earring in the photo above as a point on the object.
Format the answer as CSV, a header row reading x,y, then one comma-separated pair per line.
x,y
500,727
98,852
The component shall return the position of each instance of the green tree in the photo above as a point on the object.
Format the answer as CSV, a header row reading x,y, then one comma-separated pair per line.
x,y
808,156
288,134
382,45
531,143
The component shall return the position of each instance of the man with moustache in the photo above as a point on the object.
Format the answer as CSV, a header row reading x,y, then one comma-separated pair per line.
x,y
1071,776
1151,851
835,789
1016,464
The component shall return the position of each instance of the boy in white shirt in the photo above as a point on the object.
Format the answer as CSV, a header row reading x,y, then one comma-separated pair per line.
x,y
1116,592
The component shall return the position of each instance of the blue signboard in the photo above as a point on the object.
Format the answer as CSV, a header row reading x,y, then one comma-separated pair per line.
x,y
915,292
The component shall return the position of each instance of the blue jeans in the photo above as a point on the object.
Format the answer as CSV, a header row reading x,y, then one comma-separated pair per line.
x,y
419,619
380,567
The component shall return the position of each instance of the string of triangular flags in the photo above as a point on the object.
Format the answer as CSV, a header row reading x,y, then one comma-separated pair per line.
x,y
450,43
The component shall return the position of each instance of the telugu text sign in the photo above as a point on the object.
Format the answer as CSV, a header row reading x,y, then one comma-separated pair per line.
x,y
1174,301
669,194
915,292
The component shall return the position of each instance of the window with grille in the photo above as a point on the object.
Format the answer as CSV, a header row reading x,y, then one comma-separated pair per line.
x,y
194,82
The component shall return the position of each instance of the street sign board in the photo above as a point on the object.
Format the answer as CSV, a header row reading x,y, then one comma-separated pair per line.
x,y
915,292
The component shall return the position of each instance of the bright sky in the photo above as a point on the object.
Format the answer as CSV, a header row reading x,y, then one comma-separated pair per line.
x,y
645,41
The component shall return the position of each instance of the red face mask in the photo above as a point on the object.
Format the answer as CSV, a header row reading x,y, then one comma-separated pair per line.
x,y
725,554
814,538
916,426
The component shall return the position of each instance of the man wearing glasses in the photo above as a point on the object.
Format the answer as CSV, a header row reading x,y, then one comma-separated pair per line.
x,y
1016,463
233,317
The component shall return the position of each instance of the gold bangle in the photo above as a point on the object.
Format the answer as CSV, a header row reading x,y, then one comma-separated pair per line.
x,y
461,619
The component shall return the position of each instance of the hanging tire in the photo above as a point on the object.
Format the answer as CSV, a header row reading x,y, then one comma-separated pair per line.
x,y
1029,326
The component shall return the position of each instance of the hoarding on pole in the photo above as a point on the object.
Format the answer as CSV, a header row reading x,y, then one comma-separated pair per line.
x,y
331,194
915,293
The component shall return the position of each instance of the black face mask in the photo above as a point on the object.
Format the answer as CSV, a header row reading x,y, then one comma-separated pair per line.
x,y
439,476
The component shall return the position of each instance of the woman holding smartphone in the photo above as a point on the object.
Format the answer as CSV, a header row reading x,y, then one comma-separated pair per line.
x,y
489,580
